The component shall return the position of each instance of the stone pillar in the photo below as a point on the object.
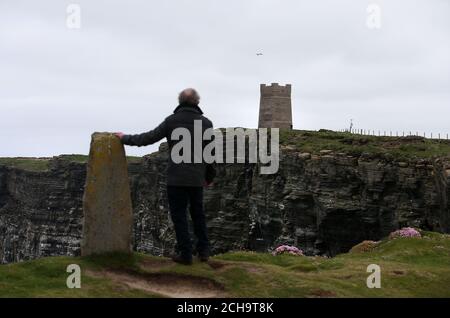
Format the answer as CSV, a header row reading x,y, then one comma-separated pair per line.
x,y
108,214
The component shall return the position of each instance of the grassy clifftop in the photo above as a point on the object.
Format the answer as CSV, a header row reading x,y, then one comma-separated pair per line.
x,y
42,164
410,147
401,148
410,267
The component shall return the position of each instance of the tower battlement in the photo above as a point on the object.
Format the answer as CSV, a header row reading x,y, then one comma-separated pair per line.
x,y
276,90
275,109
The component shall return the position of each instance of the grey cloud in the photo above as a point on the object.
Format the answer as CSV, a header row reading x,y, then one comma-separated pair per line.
x,y
123,69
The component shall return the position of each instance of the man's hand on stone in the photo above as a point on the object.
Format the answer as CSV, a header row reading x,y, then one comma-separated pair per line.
x,y
119,134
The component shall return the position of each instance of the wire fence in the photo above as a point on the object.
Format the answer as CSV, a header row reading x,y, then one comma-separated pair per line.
x,y
385,133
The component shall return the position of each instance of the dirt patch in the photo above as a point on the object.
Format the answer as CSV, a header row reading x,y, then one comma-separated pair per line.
x,y
219,266
166,285
322,293
152,264
216,265
254,269
396,272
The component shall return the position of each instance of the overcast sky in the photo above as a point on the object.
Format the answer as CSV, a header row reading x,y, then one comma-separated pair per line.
x,y
122,70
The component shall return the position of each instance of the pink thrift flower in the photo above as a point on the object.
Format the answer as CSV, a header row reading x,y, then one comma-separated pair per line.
x,y
286,249
405,232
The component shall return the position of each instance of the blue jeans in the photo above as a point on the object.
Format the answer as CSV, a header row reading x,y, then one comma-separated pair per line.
x,y
179,198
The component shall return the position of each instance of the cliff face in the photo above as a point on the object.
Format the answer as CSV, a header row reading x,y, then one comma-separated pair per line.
x,y
323,203
40,212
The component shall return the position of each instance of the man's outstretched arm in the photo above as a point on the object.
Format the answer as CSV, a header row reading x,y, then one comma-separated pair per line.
x,y
146,138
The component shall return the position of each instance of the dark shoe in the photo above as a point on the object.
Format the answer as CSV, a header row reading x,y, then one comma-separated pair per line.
x,y
203,257
181,260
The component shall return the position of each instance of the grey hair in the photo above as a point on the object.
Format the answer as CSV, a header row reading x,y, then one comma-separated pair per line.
x,y
190,96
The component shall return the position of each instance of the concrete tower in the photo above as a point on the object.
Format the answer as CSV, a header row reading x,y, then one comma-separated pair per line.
x,y
275,108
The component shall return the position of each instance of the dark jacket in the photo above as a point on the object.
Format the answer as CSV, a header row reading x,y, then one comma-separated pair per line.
x,y
181,174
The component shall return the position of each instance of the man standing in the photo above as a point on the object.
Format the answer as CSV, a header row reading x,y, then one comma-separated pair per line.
x,y
185,180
